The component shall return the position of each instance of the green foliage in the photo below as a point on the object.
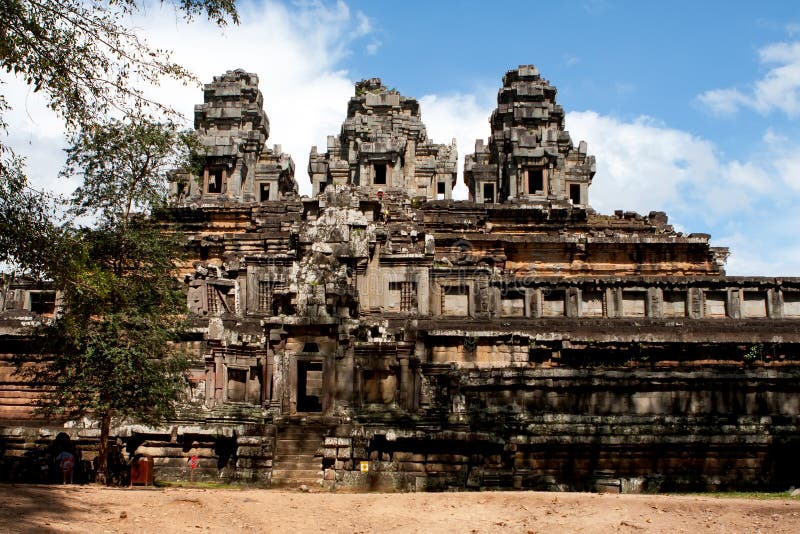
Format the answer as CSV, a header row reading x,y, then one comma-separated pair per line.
x,y
470,343
755,352
111,352
125,165
85,58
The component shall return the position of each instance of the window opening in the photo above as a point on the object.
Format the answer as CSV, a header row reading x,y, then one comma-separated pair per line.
x,y
440,190
43,302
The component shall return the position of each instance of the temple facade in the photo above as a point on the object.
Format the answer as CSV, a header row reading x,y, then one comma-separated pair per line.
x,y
379,334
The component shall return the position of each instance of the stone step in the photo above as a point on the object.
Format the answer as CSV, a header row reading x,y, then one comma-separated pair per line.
x,y
305,438
294,456
286,465
293,473
291,476
293,447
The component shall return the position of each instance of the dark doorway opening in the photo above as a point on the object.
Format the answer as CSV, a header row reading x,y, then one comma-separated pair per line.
x,y
263,192
535,181
309,386
380,174
575,193
215,181
488,193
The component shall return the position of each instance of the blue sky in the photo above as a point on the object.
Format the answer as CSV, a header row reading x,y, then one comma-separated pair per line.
x,y
689,107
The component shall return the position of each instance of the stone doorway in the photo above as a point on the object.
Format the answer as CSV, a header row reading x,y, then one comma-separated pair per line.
x,y
309,386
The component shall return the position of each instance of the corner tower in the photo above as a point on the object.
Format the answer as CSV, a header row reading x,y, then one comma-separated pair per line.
x,y
383,146
530,158
233,128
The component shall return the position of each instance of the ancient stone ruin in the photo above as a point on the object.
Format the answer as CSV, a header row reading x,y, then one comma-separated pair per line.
x,y
381,335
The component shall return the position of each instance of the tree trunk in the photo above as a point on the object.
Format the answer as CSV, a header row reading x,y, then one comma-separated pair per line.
x,y
102,450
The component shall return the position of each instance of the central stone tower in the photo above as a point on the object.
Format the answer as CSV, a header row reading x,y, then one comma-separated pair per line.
x,y
383,146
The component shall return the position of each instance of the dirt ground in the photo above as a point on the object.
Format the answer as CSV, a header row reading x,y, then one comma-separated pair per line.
x,y
44,509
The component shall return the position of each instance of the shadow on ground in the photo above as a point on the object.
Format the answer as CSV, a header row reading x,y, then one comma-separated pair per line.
x,y
36,508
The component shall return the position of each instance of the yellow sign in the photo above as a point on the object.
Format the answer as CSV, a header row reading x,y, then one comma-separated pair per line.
x,y
365,467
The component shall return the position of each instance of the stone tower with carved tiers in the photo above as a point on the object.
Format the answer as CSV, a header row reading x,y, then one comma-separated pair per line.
x,y
383,146
530,156
233,129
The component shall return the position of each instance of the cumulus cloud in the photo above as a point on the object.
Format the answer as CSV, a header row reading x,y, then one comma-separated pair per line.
x,y
463,117
778,89
748,204
643,165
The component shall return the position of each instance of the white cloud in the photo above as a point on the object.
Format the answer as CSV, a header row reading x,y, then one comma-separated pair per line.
x,y
643,165
778,89
463,117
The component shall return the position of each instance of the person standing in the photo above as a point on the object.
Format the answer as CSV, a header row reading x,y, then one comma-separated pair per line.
x,y
66,460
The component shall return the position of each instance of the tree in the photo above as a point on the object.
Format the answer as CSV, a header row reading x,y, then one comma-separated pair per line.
x,y
89,62
85,58
110,354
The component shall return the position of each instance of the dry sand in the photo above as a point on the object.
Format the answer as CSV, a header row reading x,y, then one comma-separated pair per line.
x,y
94,509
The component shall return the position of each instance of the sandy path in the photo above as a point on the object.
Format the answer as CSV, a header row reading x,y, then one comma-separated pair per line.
x,y
93,509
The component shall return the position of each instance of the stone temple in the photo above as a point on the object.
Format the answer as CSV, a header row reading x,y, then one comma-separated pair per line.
x,y
381,335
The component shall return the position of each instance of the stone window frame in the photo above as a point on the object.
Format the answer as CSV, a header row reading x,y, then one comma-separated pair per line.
x,y
685,300
407,289
493,195
726,303
639,292
210,171
227,367
526,169
582,302
446,288
560,293
750,292
35,299
793,296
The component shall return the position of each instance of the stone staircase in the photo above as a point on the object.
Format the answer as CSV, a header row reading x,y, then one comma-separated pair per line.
x,y
298,458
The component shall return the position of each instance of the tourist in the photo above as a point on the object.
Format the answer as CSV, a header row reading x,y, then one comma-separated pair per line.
x,y
66,460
